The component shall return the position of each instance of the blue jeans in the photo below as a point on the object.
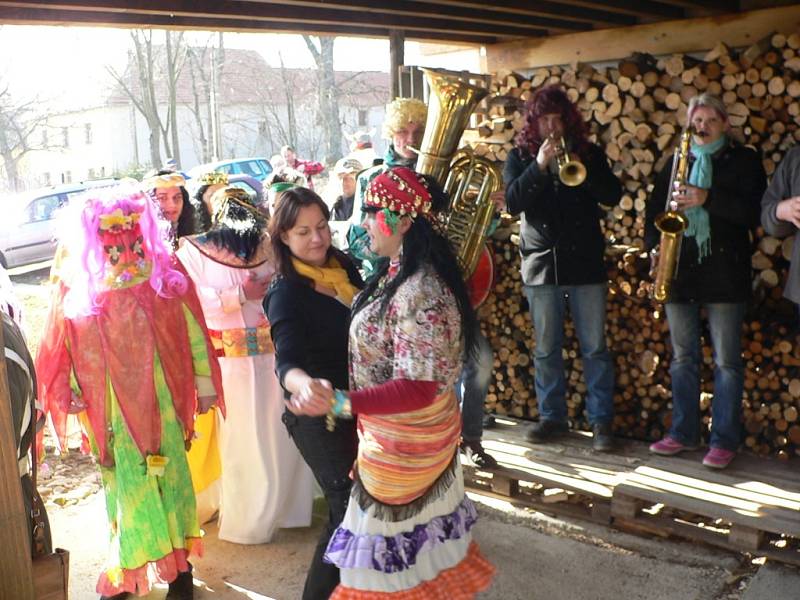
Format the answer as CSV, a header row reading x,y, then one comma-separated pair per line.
x,y
587,304
725,323
475,379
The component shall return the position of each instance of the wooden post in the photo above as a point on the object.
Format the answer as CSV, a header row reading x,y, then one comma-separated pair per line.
x,y
397,40
16,575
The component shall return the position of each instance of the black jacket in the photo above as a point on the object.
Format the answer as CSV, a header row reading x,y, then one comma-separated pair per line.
x,y
560,238
310,330
733,206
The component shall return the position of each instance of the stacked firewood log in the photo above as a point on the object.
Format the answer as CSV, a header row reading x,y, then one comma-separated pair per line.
x,y
636,111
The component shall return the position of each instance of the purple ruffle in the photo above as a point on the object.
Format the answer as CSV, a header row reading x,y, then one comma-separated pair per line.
x,y
392,554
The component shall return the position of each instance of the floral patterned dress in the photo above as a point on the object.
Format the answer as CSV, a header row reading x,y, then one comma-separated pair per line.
x,y
406,533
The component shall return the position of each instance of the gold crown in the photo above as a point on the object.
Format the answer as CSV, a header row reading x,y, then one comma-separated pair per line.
x,y
214,178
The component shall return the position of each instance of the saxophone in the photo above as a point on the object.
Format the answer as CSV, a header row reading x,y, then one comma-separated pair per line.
x,y
671,224
467,179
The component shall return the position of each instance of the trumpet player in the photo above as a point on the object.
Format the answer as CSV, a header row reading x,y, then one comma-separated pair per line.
x,y
721,200
562,250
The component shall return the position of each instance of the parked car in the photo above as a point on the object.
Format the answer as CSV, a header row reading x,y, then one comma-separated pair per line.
x,y
28,229
257,167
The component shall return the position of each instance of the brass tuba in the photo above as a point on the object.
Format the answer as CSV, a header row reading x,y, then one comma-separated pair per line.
x,y
468,179
671,224
571,171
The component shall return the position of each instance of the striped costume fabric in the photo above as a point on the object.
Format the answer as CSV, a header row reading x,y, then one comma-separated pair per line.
x,y
407,531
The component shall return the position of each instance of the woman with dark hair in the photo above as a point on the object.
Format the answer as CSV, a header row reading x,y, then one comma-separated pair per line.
x,y
201,201
563,251
308,307
407,530
264,483
168,190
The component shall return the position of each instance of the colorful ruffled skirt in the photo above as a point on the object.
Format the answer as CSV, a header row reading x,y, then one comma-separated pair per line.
x,y
420,549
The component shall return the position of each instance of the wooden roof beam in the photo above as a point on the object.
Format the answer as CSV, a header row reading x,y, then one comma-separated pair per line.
x,y
300,16
543,8
549,15
639,8
39,16
723,6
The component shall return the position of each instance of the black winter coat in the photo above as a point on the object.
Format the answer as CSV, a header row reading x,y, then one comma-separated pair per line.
x,y
560,238
734,206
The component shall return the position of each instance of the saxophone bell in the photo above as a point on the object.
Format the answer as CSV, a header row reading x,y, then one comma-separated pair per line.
x,y
671,223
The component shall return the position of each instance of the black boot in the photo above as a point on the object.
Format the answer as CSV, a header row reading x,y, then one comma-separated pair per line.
x,y
603,439
545,431
477,454
182,587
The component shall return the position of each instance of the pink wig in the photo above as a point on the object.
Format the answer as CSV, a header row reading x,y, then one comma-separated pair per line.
x,y
81,228
552,99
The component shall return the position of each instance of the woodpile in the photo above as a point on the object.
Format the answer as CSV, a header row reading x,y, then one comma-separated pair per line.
x,y
636,110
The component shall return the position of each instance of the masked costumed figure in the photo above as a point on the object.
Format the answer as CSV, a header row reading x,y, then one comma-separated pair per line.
x,y
126,349
265,483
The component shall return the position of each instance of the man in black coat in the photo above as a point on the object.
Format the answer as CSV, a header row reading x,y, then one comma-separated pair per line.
x,y
721,200
562,250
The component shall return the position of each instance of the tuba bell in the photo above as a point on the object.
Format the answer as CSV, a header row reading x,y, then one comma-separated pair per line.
x,y
671,224
467,179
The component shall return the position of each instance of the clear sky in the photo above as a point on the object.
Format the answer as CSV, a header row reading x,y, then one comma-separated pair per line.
x,y
65,66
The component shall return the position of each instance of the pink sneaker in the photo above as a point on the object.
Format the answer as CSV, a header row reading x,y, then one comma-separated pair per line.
x,y
718,458
669,447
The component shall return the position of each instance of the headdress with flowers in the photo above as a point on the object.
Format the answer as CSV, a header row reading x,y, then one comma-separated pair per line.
x,y
115,240
160,182
396,193
227,196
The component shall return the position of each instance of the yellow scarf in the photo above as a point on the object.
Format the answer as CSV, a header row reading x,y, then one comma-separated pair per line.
x,y
332,276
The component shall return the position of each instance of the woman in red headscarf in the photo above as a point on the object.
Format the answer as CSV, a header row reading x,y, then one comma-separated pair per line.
x,y
407,530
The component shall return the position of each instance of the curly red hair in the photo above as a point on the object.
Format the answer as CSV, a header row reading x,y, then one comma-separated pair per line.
x,y
549,100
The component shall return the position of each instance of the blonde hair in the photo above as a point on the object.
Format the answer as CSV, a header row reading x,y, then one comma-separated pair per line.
x,y
402,111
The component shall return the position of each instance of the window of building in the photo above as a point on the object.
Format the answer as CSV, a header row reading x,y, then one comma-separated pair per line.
x,y
65,133
44,138
91,174
262,128
362,118
46,179
66,177
88,131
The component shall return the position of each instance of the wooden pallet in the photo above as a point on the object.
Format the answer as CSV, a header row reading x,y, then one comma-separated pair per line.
x,y
739,512
753,506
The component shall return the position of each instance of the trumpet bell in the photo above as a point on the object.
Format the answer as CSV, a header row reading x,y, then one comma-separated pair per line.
x,y
572,174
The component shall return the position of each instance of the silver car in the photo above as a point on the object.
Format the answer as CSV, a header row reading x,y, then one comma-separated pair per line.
x,y
28,225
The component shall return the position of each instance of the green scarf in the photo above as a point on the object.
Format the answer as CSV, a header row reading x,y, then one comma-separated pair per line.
x,y
701,176
392,159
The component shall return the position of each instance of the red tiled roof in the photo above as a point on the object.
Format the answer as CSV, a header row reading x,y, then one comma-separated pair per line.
x,y
246,78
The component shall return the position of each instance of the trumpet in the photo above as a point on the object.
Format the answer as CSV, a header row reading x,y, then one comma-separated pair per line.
x,y
571,172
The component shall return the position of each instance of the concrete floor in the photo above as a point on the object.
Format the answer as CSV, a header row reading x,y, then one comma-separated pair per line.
x,y
537,558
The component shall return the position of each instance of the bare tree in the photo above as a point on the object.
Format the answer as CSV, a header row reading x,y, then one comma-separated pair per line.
x,y
18,122
176,58
205,71
149,68
321,48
